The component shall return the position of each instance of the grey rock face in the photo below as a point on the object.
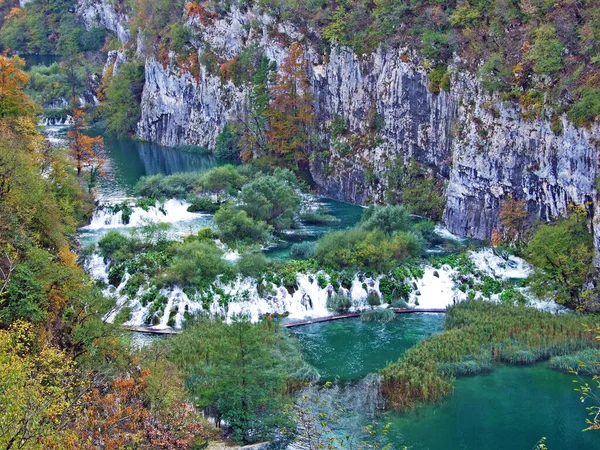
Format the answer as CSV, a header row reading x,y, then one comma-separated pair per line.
x,y
102,13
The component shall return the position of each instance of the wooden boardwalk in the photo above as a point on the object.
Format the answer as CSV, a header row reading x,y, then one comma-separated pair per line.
x,y
295,324
152,330
357,314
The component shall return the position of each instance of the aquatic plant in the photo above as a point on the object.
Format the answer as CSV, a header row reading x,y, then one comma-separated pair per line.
x,y
378,315
584,362
474,329
339,303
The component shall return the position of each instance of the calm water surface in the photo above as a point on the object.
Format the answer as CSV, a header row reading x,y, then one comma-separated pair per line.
x,y
349,349
509,409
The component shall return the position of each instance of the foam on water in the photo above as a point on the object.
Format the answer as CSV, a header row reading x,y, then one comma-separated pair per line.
x,y
172,211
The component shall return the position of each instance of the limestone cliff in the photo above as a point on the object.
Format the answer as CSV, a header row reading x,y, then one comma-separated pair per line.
x,y
481,146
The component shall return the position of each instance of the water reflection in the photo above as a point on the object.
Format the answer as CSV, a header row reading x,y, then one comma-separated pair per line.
x,y
126,161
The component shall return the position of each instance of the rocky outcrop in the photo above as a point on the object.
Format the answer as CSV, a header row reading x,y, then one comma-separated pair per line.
x,y
104,14
482,146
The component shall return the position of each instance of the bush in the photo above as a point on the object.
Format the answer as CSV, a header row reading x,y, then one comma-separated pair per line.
x,y
273,199
225,178
203,204
178,185
587,108
195,264
388,219
317,218
339,303
383,315
252,264
236,226
304,250
373,299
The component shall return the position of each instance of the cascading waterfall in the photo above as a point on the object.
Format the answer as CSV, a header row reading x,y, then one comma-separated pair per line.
x,y
172,211
437,288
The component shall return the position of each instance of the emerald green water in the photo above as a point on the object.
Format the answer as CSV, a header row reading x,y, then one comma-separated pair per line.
x,y
509,409
128,160
348,350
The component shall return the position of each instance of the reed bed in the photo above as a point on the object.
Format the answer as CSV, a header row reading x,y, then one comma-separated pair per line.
x,y
477,333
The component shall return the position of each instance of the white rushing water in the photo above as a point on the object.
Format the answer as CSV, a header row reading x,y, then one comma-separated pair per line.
x,y
437,288
172,211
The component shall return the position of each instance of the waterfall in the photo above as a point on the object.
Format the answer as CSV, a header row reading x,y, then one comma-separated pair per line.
x,y
171,211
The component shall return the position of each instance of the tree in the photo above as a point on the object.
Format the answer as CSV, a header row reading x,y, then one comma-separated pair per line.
x,y
236,373
13,101
84,149
546,51
227,145
271,199
512,217
124,97
562,254
253,141
291,115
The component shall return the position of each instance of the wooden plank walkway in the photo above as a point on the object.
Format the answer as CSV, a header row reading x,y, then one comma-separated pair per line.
x,y
152,330
357,314
295,324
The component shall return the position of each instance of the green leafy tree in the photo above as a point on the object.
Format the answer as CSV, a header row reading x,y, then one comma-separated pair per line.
x,y
227,146
237,374
546,51
562,254
123,99
271,199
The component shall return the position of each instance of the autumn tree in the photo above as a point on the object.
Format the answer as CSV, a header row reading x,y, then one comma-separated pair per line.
x,y
84,149
253,140
291,115
13,101
512,217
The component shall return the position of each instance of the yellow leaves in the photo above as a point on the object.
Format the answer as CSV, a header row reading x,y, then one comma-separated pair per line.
x,y
13,101
36,386
14,13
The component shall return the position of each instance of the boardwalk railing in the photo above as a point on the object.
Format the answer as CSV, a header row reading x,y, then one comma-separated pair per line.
x,y
295,324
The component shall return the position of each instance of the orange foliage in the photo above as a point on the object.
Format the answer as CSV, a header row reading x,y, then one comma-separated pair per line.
x,y
190,64
291,115
83,148
13,101
512,216
205,16
14,13
496,238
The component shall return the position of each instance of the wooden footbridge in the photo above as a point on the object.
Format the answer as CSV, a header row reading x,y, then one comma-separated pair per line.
x,y
299,323
357,314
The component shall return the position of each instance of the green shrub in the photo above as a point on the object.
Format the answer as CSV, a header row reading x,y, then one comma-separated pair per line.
x,y
252,264
373,299
237,226
203,204
378,315
304,250
195,264
339,303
